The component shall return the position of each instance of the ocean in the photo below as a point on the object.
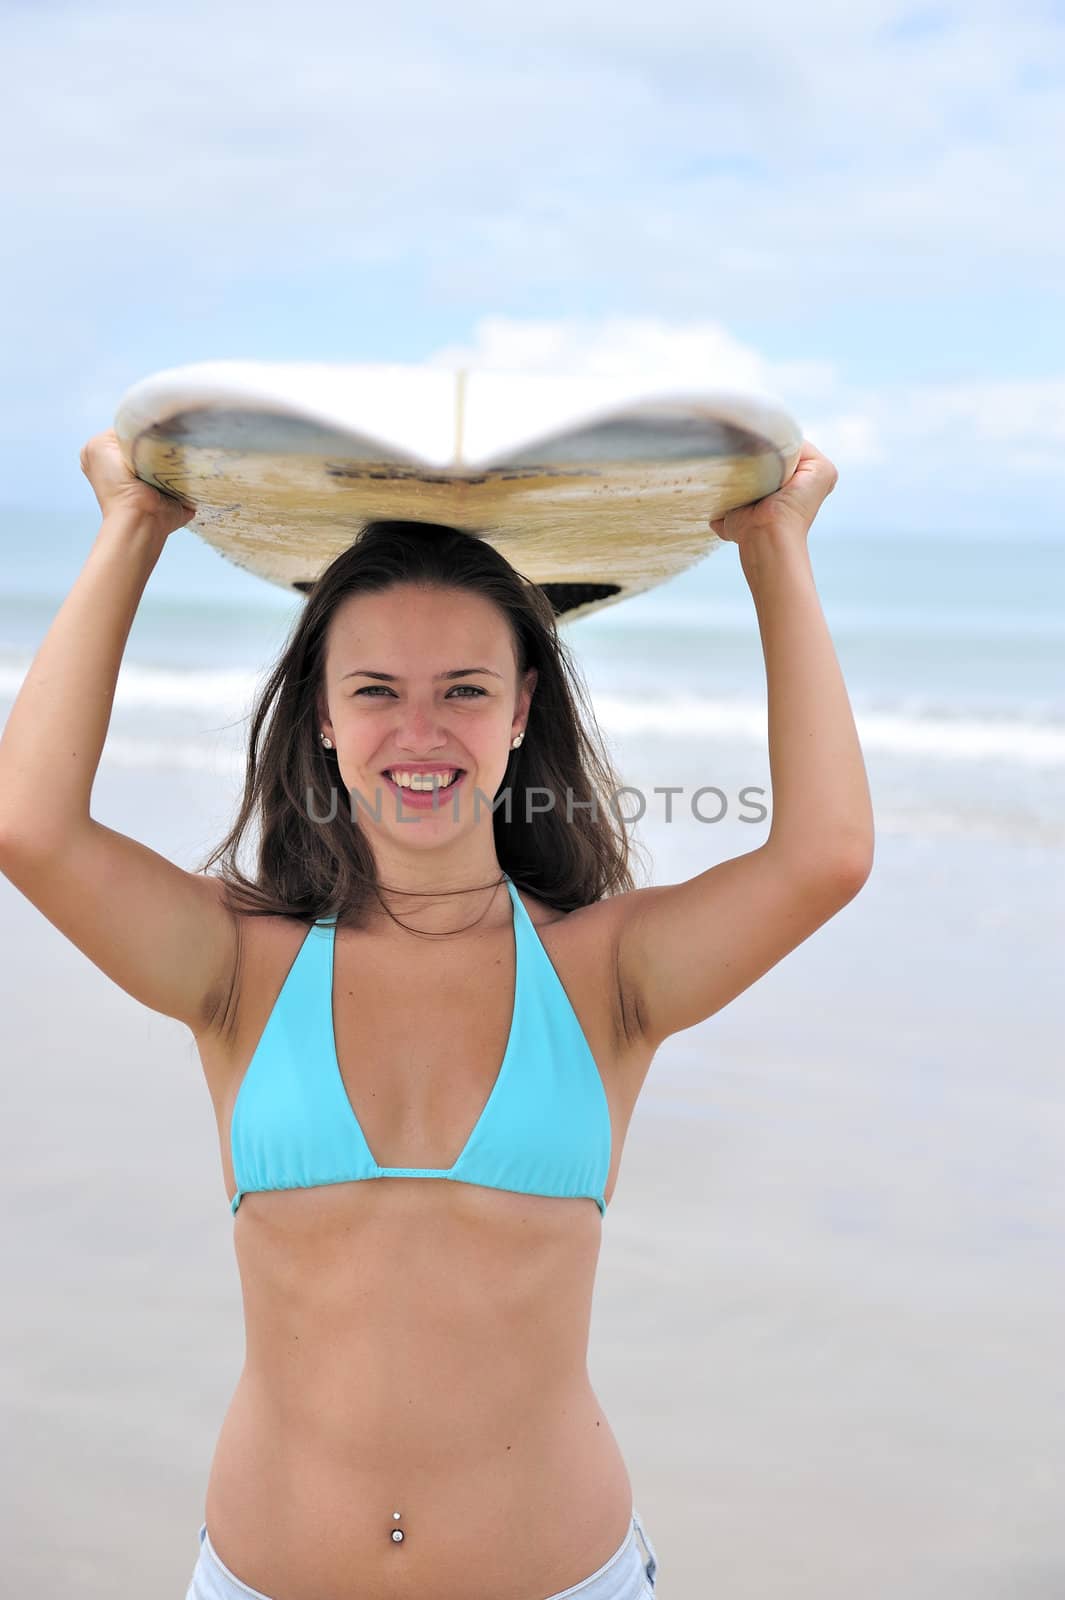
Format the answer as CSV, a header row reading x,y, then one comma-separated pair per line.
x,y
953,651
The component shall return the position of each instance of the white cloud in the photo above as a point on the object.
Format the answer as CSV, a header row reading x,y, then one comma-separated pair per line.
x,y
849,440
688,155
693,353
1003,413
701,182
650,351
925,426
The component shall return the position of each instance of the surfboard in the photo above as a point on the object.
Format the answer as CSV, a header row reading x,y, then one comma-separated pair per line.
x,y
595,488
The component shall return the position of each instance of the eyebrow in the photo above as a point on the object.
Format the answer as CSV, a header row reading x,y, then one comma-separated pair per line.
x,y
390,677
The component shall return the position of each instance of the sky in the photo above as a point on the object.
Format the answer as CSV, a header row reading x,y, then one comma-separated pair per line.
x,y
855,208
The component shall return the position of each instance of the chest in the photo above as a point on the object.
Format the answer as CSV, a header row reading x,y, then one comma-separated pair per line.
x,y
421,1045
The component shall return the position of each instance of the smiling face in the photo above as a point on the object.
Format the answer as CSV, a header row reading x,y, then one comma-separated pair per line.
x,y
421,679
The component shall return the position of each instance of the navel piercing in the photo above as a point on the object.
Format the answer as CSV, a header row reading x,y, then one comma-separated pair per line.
x,y
397,1533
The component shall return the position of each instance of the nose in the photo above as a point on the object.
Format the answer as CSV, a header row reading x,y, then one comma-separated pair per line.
x,y
419,728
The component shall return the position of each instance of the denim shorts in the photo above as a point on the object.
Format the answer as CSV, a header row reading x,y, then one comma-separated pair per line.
x,y
626,1576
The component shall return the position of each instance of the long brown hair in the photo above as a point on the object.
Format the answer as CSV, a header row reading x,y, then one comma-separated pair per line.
x,y
309,868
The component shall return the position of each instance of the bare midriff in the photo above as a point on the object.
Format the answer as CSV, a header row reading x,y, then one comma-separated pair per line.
x,y
420,1346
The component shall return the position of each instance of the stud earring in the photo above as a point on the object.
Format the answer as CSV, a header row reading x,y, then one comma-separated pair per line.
x,y
326,740
514,743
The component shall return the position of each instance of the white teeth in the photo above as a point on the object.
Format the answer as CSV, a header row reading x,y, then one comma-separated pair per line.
x,y
423,780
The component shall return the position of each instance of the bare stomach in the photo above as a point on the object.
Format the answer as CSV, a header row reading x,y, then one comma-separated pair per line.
x,y
454,1391
297,1520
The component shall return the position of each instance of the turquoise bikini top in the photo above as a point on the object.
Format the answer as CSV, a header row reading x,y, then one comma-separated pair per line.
x,y
544,1129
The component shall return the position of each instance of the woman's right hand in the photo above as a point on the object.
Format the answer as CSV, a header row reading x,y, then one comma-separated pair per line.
x,y
118,489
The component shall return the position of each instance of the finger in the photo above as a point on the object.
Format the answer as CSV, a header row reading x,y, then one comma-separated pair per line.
x,y
823,464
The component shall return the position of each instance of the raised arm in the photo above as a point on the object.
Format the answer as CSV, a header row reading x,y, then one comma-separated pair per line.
x,y
685,950
159,932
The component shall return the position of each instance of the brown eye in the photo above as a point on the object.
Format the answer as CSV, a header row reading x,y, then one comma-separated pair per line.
x,y
372,688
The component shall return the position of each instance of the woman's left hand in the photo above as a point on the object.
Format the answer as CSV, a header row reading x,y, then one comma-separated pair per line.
x,y
792,508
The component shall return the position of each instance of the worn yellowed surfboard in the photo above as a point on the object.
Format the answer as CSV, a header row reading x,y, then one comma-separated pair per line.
x,y
591,487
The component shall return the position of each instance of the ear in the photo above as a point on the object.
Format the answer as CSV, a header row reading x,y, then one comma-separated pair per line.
x,y
528,686
323,724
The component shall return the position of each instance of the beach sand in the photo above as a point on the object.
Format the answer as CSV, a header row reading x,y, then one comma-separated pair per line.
x,y
830,1303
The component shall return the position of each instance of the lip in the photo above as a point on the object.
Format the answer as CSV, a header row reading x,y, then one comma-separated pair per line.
x,y
423,766
427,799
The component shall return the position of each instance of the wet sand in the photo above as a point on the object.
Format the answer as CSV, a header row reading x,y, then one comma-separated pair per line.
x,y
830,1300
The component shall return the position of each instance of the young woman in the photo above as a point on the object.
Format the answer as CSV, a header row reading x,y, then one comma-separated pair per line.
x,y
424,1019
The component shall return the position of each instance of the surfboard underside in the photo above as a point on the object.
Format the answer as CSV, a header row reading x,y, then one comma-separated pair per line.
x,y
593,514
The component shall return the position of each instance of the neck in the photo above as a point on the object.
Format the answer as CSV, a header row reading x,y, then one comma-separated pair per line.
x,y
415,902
